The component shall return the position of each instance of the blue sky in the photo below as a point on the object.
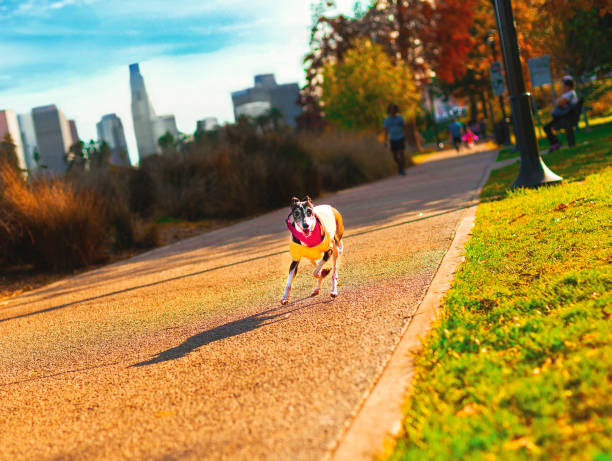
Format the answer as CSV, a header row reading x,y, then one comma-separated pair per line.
x,y
75,53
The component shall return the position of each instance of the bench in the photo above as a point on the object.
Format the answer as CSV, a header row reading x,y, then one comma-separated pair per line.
x,y
569,121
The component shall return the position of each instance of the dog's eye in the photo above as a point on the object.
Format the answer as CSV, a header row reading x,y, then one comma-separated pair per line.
x,y
309,212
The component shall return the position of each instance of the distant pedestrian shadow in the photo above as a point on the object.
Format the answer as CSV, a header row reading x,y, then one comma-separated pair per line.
x,y
235,328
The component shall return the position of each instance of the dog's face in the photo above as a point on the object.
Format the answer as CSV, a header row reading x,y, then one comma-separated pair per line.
x,y
302,215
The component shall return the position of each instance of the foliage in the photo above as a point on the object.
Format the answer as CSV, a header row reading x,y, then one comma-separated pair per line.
x,y
346,159
518,366
452,21
357,91
49,224
582,43
8,152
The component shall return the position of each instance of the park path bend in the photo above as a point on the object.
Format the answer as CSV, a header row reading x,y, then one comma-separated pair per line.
x,y
185,352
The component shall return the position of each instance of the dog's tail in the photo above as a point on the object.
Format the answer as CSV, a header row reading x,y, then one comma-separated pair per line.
x,y
339,230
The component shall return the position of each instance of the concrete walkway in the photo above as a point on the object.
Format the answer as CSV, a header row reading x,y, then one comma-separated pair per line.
x,y
185,352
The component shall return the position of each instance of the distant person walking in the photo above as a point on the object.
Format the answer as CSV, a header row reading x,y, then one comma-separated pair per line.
x,y
455,128
394,134
562,109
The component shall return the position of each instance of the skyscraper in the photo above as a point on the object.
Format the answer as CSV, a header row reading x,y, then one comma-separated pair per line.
x,y
267,94
165,124
10,125
28,138
142,114
207,124
53,136
74,135
110,131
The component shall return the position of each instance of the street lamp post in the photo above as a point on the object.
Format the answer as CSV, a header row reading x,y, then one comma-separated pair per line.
x,y
533,172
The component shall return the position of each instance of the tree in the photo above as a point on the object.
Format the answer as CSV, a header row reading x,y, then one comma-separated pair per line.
x,y
8,152
167,143
357,90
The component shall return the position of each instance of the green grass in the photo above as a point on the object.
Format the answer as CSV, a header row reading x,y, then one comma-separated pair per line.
x,y
519,366
600,127
589,155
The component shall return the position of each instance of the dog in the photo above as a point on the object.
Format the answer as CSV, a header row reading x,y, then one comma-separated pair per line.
x,y
316,234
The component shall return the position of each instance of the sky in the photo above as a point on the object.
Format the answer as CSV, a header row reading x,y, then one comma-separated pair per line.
x,y
192,55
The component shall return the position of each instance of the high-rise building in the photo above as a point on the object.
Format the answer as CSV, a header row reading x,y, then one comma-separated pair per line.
x,y
147,126
165,124
10,125
110,131
267,94
207,124
142,114
53,137
28,138
74,135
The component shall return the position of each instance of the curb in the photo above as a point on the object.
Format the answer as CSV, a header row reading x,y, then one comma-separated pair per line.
x,y
378,421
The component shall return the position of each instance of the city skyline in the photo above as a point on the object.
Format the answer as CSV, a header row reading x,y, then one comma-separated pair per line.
x,y
193,55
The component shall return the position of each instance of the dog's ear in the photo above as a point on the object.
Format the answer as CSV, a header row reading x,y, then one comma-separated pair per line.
x,y
294,201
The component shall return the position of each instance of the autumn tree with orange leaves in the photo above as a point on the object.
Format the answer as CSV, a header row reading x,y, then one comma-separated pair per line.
x,y
445,38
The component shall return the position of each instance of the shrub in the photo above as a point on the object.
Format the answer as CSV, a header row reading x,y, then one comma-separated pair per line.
x,y
49,223
243,173
346,159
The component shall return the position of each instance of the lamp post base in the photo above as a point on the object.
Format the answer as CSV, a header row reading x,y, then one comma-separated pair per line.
x,y
533,171
534,175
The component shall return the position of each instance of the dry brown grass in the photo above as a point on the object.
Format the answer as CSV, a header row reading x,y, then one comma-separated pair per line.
x,y
346,159
48,224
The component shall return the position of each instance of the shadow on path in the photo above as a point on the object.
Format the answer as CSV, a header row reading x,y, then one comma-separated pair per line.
x,y
235,328
224,266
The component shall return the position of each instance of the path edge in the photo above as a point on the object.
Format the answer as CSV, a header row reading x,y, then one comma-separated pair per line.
x,y
372,431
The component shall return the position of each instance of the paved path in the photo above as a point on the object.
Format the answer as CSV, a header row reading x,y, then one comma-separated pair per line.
x,y
185,352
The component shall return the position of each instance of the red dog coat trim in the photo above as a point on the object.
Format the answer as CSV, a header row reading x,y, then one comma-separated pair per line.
x,y
311,240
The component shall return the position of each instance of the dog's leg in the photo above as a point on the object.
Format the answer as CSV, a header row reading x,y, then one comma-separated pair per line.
x,y
334,290
292,273
317,289
320,273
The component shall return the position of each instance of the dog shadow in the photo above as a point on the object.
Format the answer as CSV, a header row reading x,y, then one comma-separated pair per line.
x,y
235,328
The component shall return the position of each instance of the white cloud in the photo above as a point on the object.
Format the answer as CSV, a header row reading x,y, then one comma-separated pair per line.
x,y
60,4
192,86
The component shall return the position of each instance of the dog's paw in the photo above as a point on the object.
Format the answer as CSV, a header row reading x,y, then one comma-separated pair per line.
x,y
315,292
333,294
284,301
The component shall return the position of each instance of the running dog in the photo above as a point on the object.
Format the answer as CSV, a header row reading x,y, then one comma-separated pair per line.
x,y
316,234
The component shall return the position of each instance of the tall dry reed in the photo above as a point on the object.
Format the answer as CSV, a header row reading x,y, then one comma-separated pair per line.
x,y
48,224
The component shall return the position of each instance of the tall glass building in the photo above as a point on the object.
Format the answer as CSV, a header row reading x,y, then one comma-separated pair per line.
x,y
143,115
110,131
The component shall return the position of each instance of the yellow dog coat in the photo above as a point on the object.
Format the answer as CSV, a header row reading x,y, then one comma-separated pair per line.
x,y
331,222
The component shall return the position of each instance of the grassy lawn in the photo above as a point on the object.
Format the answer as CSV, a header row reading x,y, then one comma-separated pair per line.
x,y
601,126
519,366
591,153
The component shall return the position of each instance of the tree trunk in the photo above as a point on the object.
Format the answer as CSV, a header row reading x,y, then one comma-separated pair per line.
x,y
473,107
413,138
483,103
